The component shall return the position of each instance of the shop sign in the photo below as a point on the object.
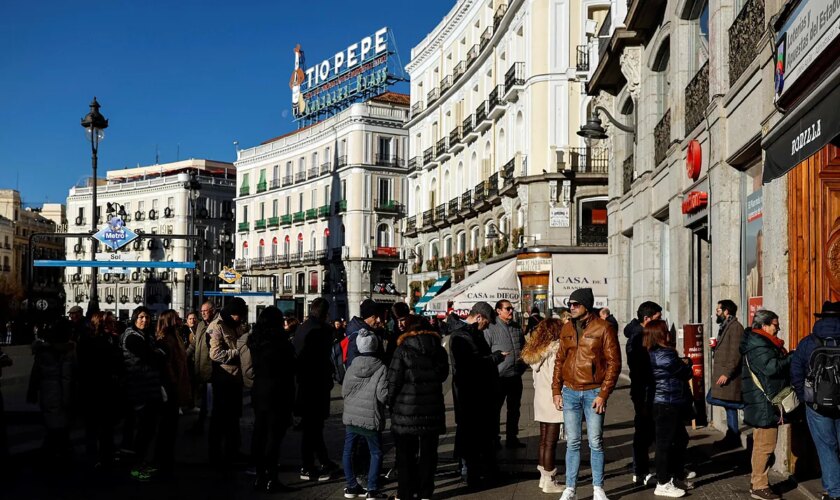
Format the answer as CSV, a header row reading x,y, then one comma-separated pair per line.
x,y
559,217
693,160
573,271
387,251
809,30
537,265
358,72
694,202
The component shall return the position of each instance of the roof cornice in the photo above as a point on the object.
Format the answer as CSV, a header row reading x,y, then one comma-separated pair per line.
x,y
450,23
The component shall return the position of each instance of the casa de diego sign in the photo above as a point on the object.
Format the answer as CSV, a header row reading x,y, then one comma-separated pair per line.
x,y
356,73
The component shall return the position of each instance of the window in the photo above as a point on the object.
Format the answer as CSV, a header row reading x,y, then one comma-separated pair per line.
x,y
301,282
244,181
313,281
326,195
275,205
383,236
262,210
314,198
327,156
300,244
288,205
300,202
287,281
301,165
315,160
244,213
276,175
474,238
244,249
343,189
447,246
170,203
286,246
313,242
462,242
384,191
261,249
288,169
386,148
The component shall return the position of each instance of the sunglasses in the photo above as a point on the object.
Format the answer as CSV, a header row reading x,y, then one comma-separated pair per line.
x,y
574,304
509,308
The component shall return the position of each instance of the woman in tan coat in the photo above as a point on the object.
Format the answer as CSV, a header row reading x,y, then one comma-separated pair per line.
x,y
540,352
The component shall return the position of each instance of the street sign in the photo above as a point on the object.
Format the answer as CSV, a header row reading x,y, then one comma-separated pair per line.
x,y
228,286
115,259
114,234
229,275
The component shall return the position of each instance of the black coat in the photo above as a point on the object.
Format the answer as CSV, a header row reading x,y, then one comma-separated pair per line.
x,y
772,367
641,382
314,369
474,373
670,375
273,361
415,384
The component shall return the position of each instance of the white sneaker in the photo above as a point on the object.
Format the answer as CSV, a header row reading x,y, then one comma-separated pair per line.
x,y
568,494
690,474
598,493
648,479
668,490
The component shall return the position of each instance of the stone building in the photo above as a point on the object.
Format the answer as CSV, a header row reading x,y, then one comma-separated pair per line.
x,y
318,209
496,171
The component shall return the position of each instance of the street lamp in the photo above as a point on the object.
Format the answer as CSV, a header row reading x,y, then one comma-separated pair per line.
x,y
94,124
593,131
193,185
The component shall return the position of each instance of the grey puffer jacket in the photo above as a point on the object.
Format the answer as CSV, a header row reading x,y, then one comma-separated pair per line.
x,y
365,391
507,338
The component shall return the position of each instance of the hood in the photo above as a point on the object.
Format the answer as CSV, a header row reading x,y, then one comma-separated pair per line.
x,y
357,324
827,327
533,356
365,365
633,328
425,342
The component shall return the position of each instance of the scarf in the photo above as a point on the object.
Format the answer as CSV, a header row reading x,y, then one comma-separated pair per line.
x,y
779,343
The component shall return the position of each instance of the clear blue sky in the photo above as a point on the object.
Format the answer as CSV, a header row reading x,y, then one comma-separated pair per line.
x,y
199,74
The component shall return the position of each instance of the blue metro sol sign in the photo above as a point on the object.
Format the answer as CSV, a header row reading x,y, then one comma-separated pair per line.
x,y
114,234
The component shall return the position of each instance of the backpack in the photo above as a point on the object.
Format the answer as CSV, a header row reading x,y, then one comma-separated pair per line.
x,y
337,358
822,383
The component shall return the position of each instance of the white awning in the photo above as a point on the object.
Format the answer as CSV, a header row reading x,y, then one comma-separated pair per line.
x,y
490,284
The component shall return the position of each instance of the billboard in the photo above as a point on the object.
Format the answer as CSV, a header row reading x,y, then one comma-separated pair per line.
x,y
573,271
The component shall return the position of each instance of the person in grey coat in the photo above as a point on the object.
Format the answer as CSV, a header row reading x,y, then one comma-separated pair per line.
x,y
505,335
365,391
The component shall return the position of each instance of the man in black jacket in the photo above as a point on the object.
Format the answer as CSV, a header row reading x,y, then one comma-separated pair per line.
x,y
474,377
638,361
313,346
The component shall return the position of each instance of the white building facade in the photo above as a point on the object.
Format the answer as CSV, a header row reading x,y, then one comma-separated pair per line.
x,y
157,203
496,170
318,209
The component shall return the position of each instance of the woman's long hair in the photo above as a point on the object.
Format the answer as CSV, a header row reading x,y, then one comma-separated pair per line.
x,y
167,324
656,335
269,325
136,314
546,332
99,321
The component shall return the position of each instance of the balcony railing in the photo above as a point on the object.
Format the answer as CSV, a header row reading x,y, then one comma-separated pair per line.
x,y
594,235
486,35
311,213
499,15
341,162
662,138
325,168
288,180
428,217
696,99
412,164
244,226
515,76
582,58
286,220
478,193
453,206
388,160
496,97
300,177
340,206
508,171
299,216
273,221
455,136
388,206
262,187
428,155
432,96
259,224
587,160
416,108
744,35
466,201
493,185
324,211
459,71
440,147
411,224
481,112
627,168
467,126
275,183
604,35
446,83
472,54
440,213
244,191
313,172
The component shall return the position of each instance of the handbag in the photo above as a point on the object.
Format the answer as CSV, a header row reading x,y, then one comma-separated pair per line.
x,y
785,399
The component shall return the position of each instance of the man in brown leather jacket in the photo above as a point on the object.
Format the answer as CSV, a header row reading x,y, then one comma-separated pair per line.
x,y
585,373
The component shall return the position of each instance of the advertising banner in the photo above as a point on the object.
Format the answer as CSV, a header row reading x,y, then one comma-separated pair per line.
x,y
573,271
752,254
693,349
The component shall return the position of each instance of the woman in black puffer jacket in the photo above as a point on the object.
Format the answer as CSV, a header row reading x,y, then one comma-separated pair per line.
x,y
415,394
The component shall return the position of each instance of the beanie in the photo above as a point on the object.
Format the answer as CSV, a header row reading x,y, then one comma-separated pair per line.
x,y
236,306
369,308
584,297
367,342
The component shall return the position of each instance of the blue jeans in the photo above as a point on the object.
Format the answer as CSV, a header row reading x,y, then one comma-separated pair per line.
x,y
731,411
373,442
576,406
825,432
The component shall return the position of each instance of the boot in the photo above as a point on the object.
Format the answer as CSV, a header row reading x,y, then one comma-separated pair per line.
x,y
547,484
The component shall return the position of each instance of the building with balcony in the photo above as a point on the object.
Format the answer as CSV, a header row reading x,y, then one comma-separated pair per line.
x,y
319,208
496,170
720,147
19,281
157,202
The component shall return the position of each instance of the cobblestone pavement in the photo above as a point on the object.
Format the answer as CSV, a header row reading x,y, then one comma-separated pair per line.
x,y
720,476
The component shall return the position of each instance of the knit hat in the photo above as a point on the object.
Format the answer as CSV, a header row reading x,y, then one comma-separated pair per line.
x,y
584,297
367,342
236,306
369,308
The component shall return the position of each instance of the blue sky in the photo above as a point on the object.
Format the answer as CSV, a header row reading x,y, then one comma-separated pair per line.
x,y
186,77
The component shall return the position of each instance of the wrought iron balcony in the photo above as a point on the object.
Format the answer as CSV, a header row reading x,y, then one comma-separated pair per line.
x,y
341,162
627,168
468,130
428,155
744,35
453,207
275,183
594,235
446,84
696,99
286,220
440,214
244,226
273,221
262,187
288,180
482,121
441,151
432,96
428,217
582,58
466,203
388,160
313,172
508,172
496,102
300,177
244,191
499,15
472,54
299,216
486,36
455,140
311,213
416,108
662,138
459,71
411,226
391,206
587,160
493,186
514,81
340,206
259,224
604,35
478,194
412,164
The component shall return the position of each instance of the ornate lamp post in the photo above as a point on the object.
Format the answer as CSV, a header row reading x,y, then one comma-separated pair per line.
x,y
95,124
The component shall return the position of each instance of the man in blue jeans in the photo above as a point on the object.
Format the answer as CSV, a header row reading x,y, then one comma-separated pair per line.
x,y
585,373
726,372
823,421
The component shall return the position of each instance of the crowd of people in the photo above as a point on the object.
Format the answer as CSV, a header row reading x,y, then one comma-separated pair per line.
x,y
393,366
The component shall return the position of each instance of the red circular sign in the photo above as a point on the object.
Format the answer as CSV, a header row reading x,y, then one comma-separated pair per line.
x,y
287,238
262,243
274,240
693,159
327,232
244,244
300,236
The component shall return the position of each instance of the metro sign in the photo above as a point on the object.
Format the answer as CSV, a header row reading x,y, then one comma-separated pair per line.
x,y
229,275
114,234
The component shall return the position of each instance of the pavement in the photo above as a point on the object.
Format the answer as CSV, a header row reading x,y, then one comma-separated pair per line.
x,y
720,475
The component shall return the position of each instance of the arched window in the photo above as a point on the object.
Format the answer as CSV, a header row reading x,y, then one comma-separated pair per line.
x,y
286,245
261,249
383,236
447,246
300,244
313,242
274,247
244,249
462,242
474,232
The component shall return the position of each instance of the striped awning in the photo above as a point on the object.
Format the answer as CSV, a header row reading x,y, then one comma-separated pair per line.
x,y
435,289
